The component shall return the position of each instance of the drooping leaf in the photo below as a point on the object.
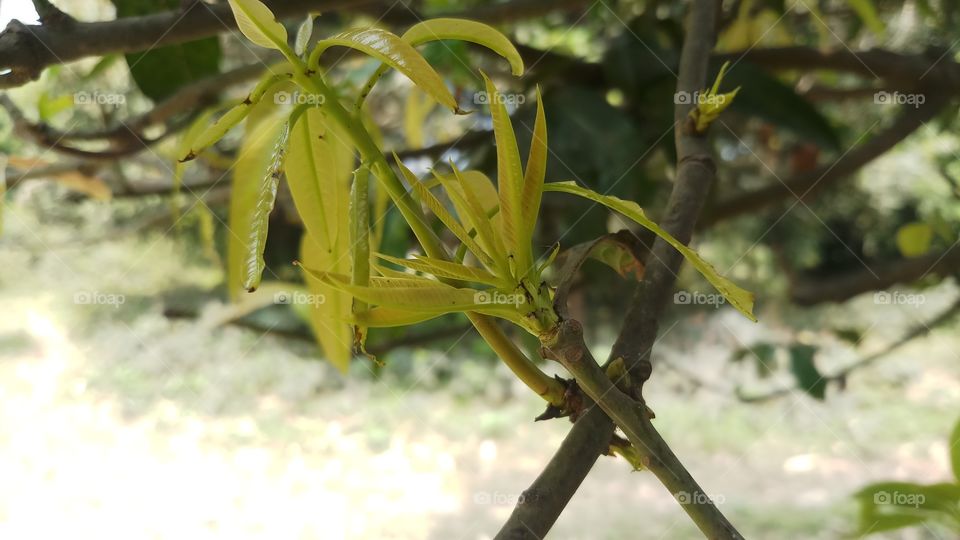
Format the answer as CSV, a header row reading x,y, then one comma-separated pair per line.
x,y
396,53
250,198
809,379
913,239
259,217
509,181
258,24
466,30
738,297
452,29
187,140
329,318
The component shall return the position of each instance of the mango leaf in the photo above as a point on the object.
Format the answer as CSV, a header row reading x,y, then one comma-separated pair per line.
x,y
258,24
509,182
446,269
894,505
384,317
251,200
738,297
433,297
534,175
328,318
435,206
618,256
913,239
187,140
259,217
396,53
452,29
808,377
954,443
474,209
304,32
159,72
466,30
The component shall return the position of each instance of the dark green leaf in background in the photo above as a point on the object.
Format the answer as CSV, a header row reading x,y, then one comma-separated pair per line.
x,y
809,378
160,72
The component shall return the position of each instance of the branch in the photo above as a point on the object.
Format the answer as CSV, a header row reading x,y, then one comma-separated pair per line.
x,y
590,436
803,185
25,50
809,291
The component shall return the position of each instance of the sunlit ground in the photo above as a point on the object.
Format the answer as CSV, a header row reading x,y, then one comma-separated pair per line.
x,y
116,423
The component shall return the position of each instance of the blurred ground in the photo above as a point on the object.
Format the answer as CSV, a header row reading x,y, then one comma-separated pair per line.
x,y
118,423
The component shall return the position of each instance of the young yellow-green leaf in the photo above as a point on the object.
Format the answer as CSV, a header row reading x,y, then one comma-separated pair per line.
x,y
446,269
258,24
318,168
252,184
710,104
207,137
259,216
739,298
396,53
471,212
462,29
437,299
466,30
360,237
330,314
304,32
534,176
441,212
385,317
509,181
